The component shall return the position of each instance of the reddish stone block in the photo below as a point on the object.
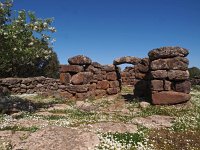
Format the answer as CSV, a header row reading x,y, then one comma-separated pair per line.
x,y
102,84
169,97
111,76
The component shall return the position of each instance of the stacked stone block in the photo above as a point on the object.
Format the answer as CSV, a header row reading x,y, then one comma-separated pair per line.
x,y
137,76
85,78
169,75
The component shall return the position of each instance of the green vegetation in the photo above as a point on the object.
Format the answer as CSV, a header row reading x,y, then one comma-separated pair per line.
x,y
194,72
19,128
25,46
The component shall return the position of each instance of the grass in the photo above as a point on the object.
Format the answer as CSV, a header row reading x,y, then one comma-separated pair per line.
x,y
19,128
183,134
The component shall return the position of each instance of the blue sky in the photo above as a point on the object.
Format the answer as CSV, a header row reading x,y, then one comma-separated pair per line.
x,y
107,29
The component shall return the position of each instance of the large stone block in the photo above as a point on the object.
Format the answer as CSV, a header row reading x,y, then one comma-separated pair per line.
x,y
127,59
169,97
70,68
111,76
157,85
167,52
79,60
103,85
184,87
159,74
175,75
81,78
177,63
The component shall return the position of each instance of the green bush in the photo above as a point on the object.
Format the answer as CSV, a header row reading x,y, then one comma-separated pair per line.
x,y
25,47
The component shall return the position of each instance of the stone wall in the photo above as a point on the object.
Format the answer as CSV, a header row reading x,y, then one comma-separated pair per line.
x,y
163,78
169,75
80,79
85,78
195,81
136,76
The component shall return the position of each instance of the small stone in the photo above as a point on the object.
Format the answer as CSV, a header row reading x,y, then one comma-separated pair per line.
x,y
65,78
157,85
103,85
144,104
112,91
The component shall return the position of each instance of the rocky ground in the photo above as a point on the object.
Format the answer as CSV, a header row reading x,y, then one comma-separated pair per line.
x,y
114,123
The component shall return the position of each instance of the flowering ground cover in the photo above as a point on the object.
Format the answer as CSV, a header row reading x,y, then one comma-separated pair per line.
x,y
113,123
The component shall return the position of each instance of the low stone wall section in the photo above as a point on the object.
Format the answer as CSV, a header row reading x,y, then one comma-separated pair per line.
x,y
169,75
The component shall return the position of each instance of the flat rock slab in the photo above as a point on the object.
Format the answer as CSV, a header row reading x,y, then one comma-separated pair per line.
x,y
155,121
167,52
127,59
59,138
169,97
113,127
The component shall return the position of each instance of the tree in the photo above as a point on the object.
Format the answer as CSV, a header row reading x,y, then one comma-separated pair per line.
x,y
194,72
25,47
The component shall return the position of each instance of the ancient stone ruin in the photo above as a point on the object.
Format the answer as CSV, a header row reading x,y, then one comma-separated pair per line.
x,y
163,78
89,79
169,75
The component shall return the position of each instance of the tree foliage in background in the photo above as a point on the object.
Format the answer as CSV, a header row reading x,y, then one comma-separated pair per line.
x,y
194,72
25,44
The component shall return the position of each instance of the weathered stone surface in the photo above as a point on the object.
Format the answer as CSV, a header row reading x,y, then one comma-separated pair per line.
x,y
127,60
112,91
79,60
108,68
177,63
100,92
77,88
157,85
70,68
167,85
114,84
81,78
92,87
159,74
65,78
98,77
66,95
59,138
111,76
140,75
178,75
103,84
142,68
167,52
92,69
96,65
169,97
184,87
